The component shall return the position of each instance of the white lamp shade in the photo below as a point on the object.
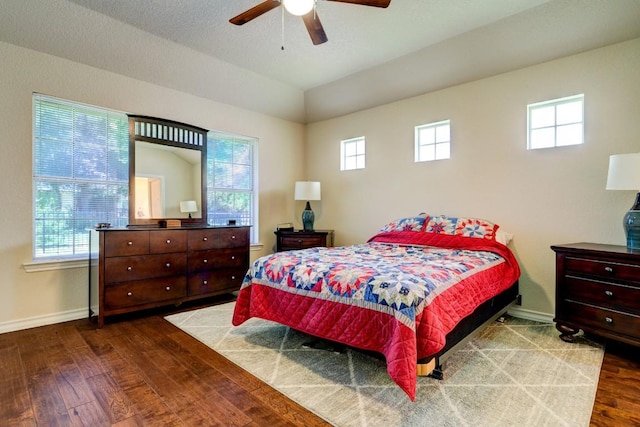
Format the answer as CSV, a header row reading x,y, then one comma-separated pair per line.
x,y
188,206
298,7
307,190
624,172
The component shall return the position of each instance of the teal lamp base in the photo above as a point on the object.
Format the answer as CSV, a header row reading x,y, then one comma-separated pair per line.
x,y
308,217
631,223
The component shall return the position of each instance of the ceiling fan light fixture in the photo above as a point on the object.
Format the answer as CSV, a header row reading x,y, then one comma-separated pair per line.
x,y
298,7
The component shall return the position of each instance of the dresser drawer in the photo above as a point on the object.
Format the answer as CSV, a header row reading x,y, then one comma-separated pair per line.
x,y
141,292
595,318
217,258
602,268
166,241
216,280
218,238
607,295
124,243
125,269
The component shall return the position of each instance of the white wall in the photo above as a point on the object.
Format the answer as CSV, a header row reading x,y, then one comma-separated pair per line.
x,y
29,299
543,197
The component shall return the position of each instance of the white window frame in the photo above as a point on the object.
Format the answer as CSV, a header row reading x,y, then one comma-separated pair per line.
x,y
437,141
558,130
214,217
352,153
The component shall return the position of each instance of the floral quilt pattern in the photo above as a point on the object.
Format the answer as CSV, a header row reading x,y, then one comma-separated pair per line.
x,y
381,276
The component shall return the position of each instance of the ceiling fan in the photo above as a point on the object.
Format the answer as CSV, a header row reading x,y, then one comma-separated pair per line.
x,y
304,8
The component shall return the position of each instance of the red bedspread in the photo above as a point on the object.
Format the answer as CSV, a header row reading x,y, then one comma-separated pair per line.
x,y
399,294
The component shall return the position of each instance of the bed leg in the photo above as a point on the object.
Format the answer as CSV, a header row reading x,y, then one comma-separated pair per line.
x,y
437,373
425,369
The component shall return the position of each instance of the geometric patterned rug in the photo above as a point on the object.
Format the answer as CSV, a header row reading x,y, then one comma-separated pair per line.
x,y
512,373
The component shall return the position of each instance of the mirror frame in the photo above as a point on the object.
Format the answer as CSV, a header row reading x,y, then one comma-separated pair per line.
x,y
175,134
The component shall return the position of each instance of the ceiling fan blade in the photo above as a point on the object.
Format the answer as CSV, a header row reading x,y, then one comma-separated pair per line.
x,y
374,3
314,27
254,12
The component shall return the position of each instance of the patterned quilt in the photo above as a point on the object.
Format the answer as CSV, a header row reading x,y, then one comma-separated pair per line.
x,y
398,294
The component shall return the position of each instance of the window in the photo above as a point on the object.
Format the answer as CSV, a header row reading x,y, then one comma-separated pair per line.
x,y
352,154
80,174
231,181
433,141
556,123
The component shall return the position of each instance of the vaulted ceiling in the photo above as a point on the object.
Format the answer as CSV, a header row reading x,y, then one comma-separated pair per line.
x,y
373,55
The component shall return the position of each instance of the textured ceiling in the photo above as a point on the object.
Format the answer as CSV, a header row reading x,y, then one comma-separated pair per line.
x,y
359,36
373,56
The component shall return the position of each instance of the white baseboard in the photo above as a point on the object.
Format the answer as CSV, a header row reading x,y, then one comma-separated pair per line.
x,y
49,319
517,311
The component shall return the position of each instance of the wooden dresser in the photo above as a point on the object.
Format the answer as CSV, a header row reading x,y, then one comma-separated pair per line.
x,y
289,240
136,269
598,291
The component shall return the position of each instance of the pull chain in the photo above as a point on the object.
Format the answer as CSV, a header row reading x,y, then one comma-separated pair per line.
x,y
282,7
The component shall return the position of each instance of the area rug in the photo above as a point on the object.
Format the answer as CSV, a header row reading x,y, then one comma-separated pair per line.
x,y
512,373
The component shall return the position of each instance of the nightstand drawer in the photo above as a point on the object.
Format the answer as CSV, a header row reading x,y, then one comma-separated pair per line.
x,y
594,318
302,243
603,269
289,240
607,295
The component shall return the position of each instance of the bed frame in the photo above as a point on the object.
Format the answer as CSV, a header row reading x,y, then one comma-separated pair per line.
x,y
468,327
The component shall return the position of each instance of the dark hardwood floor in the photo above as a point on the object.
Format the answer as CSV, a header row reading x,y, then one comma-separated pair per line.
x,y
142,370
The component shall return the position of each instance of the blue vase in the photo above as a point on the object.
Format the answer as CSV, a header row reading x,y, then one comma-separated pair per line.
x,y
631,224
308,217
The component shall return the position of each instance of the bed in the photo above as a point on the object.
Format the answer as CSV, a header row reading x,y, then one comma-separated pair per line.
x,y
411,293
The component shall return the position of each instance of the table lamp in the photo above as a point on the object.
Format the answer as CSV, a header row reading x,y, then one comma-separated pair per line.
x,y
624,174
307,190
188,206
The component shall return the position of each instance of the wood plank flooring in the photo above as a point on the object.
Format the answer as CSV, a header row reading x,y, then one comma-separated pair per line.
x,y
141,370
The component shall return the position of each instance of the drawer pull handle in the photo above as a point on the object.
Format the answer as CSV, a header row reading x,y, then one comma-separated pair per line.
x,y
168,288
233,237
205,261
608,293
609,320
129,294
233,257
129,268
204,239
233,277
608,269
168,241
205,282
168,265
130,243
299,241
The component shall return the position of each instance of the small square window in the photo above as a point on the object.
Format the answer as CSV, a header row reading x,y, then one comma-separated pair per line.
x,y
433,141
556,123
352,154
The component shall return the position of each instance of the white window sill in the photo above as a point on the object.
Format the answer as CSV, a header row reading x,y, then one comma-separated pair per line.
x,y
63,264
57,264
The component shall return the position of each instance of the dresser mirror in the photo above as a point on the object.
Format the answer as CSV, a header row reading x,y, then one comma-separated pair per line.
x,y
167,172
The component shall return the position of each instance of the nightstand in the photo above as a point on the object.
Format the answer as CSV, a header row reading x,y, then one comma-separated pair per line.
x,y
598,291
288,240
